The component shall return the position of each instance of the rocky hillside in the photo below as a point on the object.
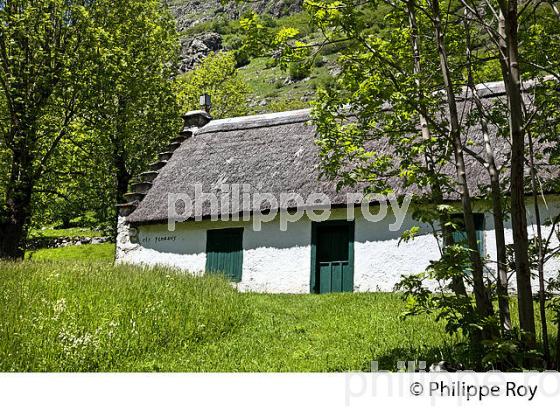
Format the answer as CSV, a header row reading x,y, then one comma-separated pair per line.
x,y
209,26
190,13
200,22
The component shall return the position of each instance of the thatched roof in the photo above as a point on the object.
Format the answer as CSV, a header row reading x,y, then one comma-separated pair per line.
x,y
271,153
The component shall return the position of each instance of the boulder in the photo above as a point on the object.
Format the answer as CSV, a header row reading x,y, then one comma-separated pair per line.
x,y
195,49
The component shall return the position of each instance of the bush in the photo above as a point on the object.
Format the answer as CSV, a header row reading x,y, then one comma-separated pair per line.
x,y
287,105
323,82
217,76
320,62
219,24
334,48
232,42
271,63
242,58
298,71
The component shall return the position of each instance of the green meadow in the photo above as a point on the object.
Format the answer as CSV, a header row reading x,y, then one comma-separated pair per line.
x,y
71,310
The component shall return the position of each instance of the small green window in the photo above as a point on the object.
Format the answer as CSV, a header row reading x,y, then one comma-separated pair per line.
x,y
460,235
224,252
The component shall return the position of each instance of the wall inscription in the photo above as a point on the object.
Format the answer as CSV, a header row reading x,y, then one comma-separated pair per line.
x,y
146,240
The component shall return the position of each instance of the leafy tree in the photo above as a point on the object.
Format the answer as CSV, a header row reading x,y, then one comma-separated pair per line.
x,y
510,27
542,56
77,184
391,121
131,110
391,83
43,55
87,94
216,76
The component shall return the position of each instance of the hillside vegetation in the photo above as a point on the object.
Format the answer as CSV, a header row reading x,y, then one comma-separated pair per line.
x,y
271,87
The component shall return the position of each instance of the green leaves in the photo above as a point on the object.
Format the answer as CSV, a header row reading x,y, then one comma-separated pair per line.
x,y
216,76
410,234
82,83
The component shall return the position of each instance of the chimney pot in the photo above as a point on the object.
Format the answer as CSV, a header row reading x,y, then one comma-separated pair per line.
x,y
206,102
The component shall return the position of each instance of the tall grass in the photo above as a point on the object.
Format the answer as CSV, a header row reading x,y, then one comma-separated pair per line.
x,y
96,317
61,315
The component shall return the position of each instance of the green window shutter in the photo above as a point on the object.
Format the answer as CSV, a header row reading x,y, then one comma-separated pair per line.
x,y
224,252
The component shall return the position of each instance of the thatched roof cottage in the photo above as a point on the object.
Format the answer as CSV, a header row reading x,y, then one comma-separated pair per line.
x,y
246,173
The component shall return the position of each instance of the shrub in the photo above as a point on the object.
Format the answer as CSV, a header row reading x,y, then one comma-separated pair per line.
x,y
217,75
298,71
320,62
232,42
334,48
242,58
271,62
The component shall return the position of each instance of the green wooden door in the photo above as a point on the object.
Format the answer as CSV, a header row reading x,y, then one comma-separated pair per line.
x,y
460,236
224,252
333,249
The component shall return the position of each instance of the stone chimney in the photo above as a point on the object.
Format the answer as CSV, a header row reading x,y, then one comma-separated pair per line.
x,y
196,119
206,103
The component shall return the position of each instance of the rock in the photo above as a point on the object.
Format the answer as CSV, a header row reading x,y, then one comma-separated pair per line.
x,y
335,71
444,366
263,103
288,81
62,242
194,49
189,13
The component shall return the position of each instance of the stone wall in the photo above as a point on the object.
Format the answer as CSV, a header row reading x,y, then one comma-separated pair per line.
x,y
61,242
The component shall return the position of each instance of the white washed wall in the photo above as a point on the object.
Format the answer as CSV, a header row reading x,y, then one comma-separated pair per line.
x,y
273,261
379,259
548,209
280,262
276,261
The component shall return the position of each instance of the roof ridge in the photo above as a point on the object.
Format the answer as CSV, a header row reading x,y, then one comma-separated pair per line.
x,y
256,121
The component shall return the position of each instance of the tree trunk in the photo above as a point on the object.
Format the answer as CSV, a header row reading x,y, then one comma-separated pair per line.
x,y
483,302
501,249
15,218
457,284
12,237
512,80
123,176
542,296
496,192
